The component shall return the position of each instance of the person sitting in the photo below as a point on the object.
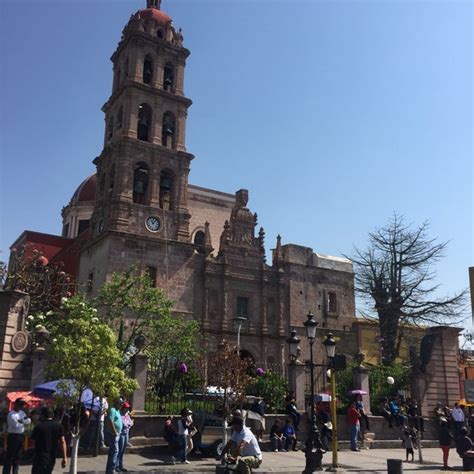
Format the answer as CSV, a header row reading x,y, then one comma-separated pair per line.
x,y
242,448
277,439
292,410
290,435
463,442
394,408
384,408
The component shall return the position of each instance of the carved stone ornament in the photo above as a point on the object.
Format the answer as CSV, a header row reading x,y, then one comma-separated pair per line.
x,y
20,342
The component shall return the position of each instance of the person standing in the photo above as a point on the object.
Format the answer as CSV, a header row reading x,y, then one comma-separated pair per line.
x,y
458,417
113,428
48,436
184,425
353,420
445,438
17,419
127,423
407,442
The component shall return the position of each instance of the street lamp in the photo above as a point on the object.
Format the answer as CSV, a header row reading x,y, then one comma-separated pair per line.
x,y
293,342
313,458
239,321
330,345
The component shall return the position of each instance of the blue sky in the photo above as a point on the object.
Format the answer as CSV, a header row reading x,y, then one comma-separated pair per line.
x,y
333,114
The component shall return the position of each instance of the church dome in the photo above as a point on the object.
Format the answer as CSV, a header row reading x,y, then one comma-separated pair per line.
x,y
86,190
158,15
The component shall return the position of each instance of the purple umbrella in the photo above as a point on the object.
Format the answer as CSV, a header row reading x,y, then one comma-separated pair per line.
x,y
358,392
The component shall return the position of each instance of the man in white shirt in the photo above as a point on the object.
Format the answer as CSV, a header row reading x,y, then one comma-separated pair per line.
x,y
243,447
459,418
16,421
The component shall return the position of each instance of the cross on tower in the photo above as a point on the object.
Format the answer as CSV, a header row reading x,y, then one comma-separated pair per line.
x,y
153,4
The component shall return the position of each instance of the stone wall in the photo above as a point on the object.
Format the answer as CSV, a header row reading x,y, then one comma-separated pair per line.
x,y
15,365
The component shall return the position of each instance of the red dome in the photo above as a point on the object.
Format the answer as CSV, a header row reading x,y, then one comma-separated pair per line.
x,y
86,190
158,15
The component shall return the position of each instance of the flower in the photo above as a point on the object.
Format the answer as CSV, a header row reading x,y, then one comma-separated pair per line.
x,y
30,318
95,320
55,340
39,326
49,313
183,368
63,300
40,317
260,371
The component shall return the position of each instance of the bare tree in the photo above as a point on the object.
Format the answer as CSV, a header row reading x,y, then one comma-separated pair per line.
x,y
395,277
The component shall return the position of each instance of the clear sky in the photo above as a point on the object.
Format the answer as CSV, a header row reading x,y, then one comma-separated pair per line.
x,y
334,114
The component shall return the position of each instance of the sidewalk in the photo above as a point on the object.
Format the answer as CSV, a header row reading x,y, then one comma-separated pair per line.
x,y
369,461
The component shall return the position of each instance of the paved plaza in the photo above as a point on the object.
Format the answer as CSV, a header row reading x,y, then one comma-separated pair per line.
x,y
370,461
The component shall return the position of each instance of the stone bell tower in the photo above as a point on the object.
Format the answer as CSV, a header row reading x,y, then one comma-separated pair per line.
x,y
143,168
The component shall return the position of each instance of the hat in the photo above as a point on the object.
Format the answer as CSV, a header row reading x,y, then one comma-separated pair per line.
x,y
186,411
125,405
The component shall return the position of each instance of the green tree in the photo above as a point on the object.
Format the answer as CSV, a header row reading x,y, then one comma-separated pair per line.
x,y
132,307
272,387
84,350
394,275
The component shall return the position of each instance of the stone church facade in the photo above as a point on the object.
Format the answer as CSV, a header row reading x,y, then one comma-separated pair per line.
x,y
203,247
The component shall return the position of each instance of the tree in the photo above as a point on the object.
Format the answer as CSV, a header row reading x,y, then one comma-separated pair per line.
x,y
84,350
31,272
133,307
395,275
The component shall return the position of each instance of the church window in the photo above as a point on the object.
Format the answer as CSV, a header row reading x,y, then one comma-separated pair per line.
x,y
242,306
140,183
168,77
144,123
199,237
168,130
110,130
166,190
90,282
160,33
111,178
120,118
151,273
83,225
332,302
147,69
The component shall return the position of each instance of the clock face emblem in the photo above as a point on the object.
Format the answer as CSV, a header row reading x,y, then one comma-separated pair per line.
x,y
153,224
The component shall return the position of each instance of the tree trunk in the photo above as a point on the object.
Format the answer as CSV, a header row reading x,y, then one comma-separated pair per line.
x,y
74,453
389,331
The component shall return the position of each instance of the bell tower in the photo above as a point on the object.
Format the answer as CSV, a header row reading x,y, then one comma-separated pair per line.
x,y
143,168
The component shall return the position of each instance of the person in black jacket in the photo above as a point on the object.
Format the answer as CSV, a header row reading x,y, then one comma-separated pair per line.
x,y
445,438
463,442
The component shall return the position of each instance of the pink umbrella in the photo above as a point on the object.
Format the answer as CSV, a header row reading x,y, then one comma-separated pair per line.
x,y
358,392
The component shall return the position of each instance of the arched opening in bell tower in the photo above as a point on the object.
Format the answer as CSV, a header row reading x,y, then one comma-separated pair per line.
x,y
144,122
168,130
148,69
166,190
141,178
168,77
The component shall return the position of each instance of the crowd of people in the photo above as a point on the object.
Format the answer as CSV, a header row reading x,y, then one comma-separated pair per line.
x,y
104,425
53,430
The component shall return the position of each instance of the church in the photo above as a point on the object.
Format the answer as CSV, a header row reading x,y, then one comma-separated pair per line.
x,y
203,247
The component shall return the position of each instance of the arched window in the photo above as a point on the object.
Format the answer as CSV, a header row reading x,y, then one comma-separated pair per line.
x,y
110,128
120,118
141,178
168,130
160,33
144,122
111,178
199,237
166,190
127,68
168,77
147,69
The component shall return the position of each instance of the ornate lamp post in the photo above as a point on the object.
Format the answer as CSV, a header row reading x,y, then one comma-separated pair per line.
x,y
330,345
313,458
239,321
293,342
